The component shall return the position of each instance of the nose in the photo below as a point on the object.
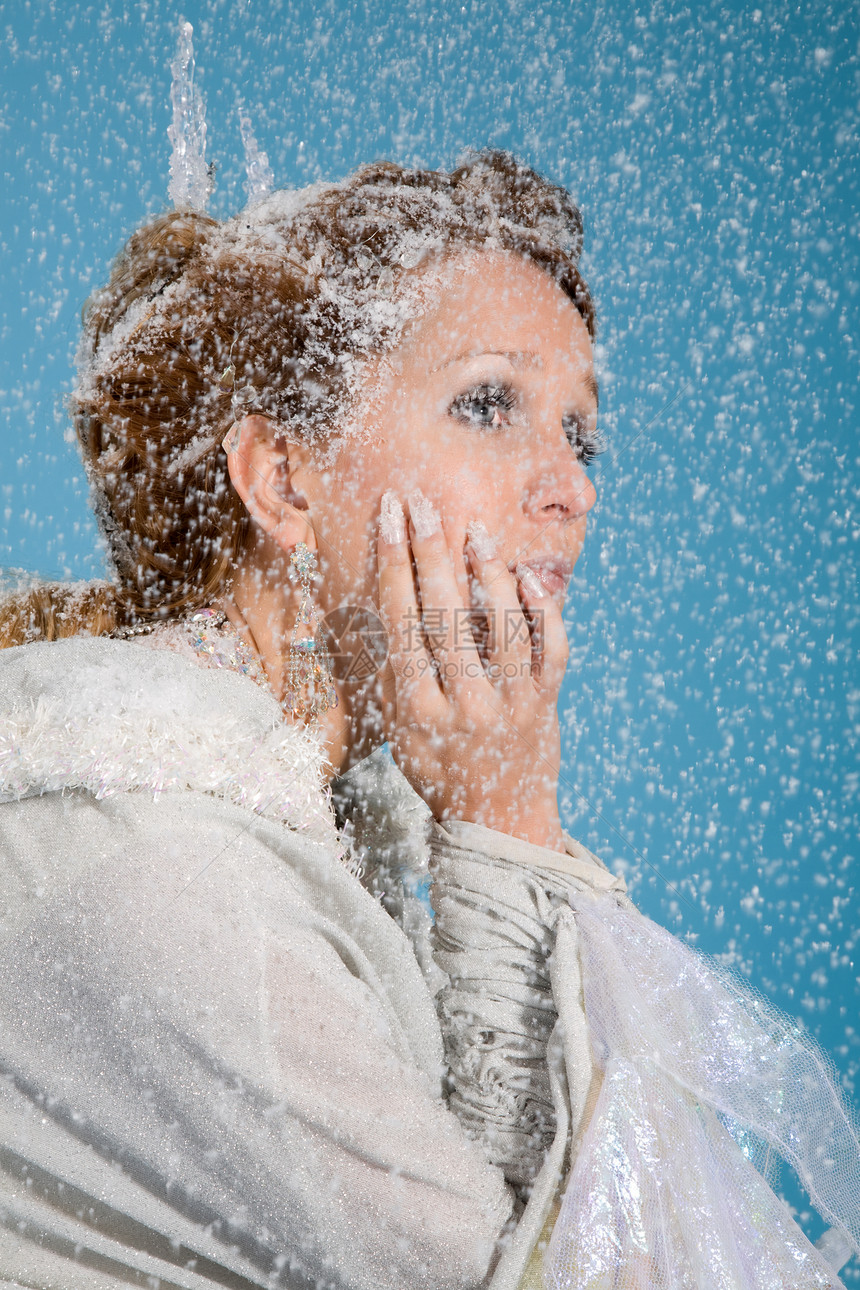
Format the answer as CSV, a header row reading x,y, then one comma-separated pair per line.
x,y
560,488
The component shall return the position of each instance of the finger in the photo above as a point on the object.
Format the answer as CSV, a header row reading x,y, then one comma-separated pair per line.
x,y
386,683
549,639
445,619
508,649
411,663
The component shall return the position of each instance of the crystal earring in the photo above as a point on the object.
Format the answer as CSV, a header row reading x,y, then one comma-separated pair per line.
x,y
310,685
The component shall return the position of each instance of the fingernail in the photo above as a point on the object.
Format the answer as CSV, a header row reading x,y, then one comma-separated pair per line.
x,y
424,516
532,583
480,541
392,521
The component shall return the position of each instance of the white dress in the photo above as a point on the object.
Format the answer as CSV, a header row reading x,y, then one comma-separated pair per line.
x,y
226,1062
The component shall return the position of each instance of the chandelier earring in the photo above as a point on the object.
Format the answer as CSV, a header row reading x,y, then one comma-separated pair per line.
x,y
310,684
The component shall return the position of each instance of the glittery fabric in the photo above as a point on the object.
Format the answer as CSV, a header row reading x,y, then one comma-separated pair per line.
x,y
221,1064
222,1061
125,716
695,1066
387,826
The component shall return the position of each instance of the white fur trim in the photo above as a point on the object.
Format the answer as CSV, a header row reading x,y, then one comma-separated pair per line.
x,y
122,719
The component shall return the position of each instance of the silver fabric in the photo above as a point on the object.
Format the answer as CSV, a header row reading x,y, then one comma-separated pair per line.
x,y
494,938
672,1071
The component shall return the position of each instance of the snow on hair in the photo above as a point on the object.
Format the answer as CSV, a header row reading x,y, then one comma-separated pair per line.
x,y
274,312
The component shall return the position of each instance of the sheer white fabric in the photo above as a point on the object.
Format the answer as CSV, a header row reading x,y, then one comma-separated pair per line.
x,y
661,1194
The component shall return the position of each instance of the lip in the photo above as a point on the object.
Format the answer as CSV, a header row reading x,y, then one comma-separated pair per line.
x,y
553,571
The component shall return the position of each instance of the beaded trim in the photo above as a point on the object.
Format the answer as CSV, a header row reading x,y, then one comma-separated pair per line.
x,y
140,629
223,648
210,633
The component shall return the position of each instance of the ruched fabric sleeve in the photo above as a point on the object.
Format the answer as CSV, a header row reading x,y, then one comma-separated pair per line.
x,y
521,1073
496,904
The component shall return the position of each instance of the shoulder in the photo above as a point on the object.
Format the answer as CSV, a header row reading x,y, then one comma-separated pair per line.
x,y
161,795
105,717
146,802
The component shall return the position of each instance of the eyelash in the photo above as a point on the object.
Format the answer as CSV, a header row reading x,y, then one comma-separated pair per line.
x,y
586,443
496,398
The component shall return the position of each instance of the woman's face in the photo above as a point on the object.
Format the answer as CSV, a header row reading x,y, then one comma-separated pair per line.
x,y
488,406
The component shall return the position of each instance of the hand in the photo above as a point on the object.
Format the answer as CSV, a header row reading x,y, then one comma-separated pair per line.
x,y
475,732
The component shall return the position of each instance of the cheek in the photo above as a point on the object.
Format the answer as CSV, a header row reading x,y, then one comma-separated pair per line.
x,y
473,480
493,476
345,517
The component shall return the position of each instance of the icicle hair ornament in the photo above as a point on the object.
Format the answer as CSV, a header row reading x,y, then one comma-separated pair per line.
x,y
192,179
259,180
274,311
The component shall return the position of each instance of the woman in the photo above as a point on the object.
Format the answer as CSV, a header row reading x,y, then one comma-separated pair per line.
x,y
234,1051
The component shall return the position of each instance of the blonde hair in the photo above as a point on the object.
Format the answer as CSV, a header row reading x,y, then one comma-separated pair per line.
x,y
271,312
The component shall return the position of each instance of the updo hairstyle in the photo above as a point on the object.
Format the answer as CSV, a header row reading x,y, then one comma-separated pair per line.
x,y
272,312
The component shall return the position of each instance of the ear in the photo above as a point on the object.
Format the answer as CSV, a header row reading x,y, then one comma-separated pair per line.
x,y
259,464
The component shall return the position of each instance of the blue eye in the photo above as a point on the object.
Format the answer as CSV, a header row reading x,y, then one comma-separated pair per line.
x,y
485,406
488,407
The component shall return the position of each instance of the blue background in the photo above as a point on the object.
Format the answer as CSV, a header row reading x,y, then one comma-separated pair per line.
x,y
711,706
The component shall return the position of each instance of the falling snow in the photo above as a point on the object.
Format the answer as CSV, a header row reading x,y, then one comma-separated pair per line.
x,y
711,708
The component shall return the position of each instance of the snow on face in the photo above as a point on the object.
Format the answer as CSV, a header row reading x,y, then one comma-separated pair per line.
x,y
487,405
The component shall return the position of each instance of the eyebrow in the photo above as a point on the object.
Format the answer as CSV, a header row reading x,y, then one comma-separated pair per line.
x,y
512,355
515,356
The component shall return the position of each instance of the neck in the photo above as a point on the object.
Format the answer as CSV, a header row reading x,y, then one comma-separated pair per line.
x,y
262,610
